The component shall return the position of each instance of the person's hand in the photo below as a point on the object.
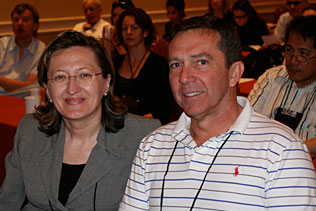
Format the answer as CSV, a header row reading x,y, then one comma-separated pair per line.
x,y
87,26
149,115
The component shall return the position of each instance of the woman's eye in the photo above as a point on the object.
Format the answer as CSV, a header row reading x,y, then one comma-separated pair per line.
x,y
85,75
59,77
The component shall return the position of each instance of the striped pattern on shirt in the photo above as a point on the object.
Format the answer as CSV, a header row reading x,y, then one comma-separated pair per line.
x,y
274,89
263,165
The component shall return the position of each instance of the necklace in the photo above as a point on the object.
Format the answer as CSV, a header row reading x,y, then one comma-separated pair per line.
x,y
138,65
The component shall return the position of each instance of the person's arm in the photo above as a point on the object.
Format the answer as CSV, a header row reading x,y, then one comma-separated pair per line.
x,y
135,197
12,193
10,84
311,145
291,182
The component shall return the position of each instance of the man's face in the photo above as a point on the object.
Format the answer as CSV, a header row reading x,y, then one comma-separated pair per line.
x,y
92,12
295,7
302,73
23,25
199,78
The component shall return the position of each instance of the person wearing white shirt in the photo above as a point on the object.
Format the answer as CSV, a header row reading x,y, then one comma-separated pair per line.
x,y
94,24
20,53
220,154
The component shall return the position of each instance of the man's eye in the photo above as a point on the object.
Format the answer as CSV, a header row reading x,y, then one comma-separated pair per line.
x,y
174,65
202,62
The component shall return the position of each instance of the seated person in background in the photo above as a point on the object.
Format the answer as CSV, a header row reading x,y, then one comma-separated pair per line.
x,y
175,13
310,10
249,26
219,9
75,153
295,8
94,24
20,53
220,154
118,6
142,76
288,93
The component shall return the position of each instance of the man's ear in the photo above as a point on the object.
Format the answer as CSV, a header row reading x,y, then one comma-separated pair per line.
x,y
236,70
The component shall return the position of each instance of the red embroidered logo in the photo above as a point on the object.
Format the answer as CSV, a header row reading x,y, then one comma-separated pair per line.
x,y
236,172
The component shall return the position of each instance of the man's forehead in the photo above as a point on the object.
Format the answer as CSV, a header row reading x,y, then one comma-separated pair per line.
x,y
297,40
25,13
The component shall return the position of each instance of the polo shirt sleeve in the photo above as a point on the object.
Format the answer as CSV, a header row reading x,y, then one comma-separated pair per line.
x,y
291,184
135,197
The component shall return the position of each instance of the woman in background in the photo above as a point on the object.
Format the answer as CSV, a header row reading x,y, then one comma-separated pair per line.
x,y
75,153
142,76
219,9
175,13
249,26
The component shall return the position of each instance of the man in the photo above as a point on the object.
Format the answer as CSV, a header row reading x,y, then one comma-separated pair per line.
x,y
295,8
220,154
94,24
287,93
20,53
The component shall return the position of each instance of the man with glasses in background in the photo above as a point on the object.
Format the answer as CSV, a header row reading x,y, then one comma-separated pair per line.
x,y
20,53
288,93
295,8
94,24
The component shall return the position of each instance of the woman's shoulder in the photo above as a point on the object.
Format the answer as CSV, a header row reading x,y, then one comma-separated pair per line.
x,y
28,123
141,124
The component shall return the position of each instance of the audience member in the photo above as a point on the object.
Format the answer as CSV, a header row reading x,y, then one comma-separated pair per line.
x,y
294,9
175,13
142,76
220,154
20,53
219,9
118,6
75,153
310,10
249,26
287,93
94,24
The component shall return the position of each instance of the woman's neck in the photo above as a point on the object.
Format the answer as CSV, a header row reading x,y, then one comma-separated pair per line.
x,y
137,52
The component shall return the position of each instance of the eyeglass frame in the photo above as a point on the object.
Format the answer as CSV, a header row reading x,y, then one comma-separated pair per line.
x,y
295,3
306,58
74,76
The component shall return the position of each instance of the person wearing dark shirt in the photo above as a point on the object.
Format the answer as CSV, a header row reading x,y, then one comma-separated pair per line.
x,y
249,26
142,76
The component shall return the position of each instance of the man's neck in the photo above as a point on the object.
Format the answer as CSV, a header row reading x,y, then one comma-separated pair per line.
x,y
213,125
23,43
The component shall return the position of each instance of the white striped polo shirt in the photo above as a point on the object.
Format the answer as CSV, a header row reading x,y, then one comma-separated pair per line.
x,y
262,166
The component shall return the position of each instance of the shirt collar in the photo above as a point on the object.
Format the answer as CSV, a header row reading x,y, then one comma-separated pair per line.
x,y
182,128
31,49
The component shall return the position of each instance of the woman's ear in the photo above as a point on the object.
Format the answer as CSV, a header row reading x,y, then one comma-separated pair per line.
x,y
236,70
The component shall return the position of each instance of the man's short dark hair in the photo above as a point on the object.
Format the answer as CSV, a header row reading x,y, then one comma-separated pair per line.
x,y
20,8
229,42
305,26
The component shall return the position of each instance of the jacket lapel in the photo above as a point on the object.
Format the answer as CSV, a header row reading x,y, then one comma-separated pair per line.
x,y
51,164
99,164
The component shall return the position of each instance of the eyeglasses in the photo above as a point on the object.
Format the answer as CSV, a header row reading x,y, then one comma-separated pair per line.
x,y
86,9
289,52
240,16
295,3
61,79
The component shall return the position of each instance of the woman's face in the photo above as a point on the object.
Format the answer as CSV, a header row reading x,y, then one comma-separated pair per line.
x,y
240,17
76,99
216,4
117,11
173,14
133,34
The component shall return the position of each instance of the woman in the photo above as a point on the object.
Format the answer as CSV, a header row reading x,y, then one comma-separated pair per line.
x,y
175,13
113,44
74,153
249,27
142,76
219,9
